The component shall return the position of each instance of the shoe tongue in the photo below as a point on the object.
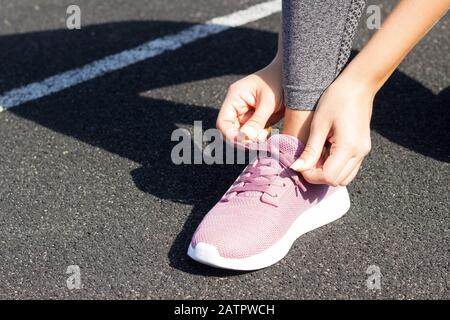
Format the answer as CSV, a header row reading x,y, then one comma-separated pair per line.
x,y
289,146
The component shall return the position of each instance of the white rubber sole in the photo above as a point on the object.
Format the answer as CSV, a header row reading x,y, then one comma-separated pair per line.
x,y
326,211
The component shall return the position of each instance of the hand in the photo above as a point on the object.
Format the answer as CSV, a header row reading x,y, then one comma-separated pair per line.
x,y
252,103
342,119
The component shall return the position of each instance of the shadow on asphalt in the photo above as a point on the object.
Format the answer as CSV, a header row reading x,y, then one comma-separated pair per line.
x,y
110,113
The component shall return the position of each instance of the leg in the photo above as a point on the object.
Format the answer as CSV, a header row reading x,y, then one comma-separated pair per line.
x,y
317,37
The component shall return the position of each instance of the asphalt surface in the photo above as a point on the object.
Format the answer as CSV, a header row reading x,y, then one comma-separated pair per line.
x,y
86,177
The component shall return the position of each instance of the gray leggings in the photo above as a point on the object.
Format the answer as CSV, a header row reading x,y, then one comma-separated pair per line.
x,y
317,40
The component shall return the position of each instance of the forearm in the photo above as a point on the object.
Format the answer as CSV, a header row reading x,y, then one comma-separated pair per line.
x,y
403,29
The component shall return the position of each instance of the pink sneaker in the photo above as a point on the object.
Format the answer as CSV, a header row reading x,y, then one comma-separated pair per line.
x,y
265,210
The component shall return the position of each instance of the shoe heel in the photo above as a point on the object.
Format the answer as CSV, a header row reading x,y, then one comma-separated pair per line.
x,y
327,211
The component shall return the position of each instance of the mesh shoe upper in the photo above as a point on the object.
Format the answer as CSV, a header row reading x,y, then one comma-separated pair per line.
x,y
262,203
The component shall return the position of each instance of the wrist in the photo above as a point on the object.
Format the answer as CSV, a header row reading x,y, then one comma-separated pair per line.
x,y
353,91
363,72
356,80
277,60
274,67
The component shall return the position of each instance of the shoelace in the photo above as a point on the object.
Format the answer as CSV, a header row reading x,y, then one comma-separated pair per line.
x,y
258,178
262,176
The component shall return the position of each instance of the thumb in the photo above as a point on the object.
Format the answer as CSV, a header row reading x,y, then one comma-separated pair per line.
x,y
255,125
313,148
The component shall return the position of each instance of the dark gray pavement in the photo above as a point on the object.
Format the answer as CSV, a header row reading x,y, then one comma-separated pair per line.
x,y
86,177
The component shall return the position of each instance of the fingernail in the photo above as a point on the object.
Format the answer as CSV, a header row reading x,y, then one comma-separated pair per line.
x,y
250,132
262,136
298,165
242,138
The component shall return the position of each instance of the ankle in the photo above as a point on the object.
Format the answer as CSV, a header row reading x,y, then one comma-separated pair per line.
x,y
297,123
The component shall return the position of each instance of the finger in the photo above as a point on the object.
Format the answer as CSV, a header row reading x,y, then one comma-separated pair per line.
x,y
313,148
318,175
243,118
227,125
264,134
233,107
257,122
352,175
314,175
351,165
334,165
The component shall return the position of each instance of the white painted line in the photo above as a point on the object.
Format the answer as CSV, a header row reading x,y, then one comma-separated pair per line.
x,y
125,58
